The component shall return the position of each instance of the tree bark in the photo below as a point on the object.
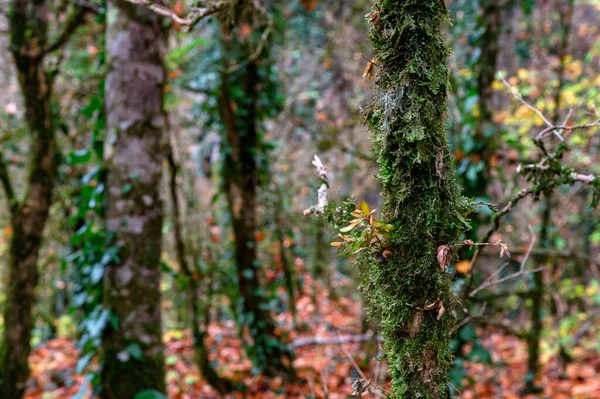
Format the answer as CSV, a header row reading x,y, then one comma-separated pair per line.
x,y
485,69
28,37
408,288
133,353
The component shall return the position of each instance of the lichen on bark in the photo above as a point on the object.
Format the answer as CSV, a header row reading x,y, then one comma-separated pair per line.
x,y
420,196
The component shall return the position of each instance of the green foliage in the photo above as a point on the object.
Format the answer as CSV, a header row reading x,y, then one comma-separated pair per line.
x,y
421,198
150,394
374,233
91,246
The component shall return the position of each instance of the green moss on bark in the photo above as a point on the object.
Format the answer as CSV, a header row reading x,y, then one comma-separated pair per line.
x,y
421,198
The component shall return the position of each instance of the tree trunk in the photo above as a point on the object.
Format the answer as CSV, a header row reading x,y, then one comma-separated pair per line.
x,y
485,131
241,177
133,353
421,200
28,31
197,304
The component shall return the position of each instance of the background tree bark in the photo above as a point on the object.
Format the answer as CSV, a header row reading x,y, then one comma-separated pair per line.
x,y
133,352
28,28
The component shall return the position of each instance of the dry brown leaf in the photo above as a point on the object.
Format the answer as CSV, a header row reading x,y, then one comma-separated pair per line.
x,y
369,72
444,256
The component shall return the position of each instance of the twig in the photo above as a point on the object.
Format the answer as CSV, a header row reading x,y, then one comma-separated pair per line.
x,y
261,44
499,215
333,340
192,19
200,13
470,317
74,20
492,280
375,390
255,54
162,11
456,389
324,379
539,113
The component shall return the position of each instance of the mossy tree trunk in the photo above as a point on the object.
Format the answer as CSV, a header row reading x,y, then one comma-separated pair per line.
x,y
29,44
133,353
420,196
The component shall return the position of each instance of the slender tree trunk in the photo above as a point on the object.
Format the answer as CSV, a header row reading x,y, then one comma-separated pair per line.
x,y
197,304
28,31
241,178
407,287
133,353
537,303
486,73
286,262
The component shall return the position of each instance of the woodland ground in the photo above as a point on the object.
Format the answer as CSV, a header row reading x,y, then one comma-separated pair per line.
x,y
321,368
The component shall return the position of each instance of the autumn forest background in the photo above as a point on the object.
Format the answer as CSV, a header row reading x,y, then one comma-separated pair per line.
x,y
299,199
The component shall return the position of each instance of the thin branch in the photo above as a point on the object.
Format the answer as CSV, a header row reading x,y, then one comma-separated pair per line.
x,y
162,11
562,127
192,19
255,54
492,280
73,21
199,14
375,390
261,44
341,339
499,215
539,113
178,235
457,391
470,317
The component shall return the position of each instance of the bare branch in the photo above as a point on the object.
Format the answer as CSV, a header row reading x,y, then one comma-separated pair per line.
x,y
74,20
467,319
192,19
493,280
539,113
375,390
340,339
322,201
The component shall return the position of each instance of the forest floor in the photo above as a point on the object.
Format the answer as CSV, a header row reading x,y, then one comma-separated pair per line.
x,y
322,368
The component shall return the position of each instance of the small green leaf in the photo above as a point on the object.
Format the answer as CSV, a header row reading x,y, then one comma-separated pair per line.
x,y
364,207
80,156
347,229
387,227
